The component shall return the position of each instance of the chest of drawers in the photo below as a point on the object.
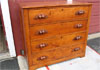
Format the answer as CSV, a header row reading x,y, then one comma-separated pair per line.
x,y
54,31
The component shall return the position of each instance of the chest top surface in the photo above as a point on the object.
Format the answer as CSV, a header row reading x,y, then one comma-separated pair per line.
x,y
50,4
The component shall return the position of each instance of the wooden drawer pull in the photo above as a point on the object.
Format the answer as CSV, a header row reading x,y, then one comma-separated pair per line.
x,y
41,16
42,58
81,12
78,26
41,32
42,45
78,38
76,49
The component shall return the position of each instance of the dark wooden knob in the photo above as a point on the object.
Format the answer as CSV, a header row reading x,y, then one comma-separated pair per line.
x,y
42,45
78,26
78,38
41,32
81,12
76,49
42,58
41,16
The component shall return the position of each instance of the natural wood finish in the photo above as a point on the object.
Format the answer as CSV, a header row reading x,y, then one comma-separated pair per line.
x,y
87,28
52,28
57,41
52,54
29,5
57,29
57,14
57,61
26,36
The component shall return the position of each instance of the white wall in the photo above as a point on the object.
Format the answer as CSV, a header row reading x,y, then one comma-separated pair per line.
x,y
8,28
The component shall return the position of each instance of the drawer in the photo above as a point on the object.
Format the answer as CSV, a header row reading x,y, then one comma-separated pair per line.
x,y
56,14
49,30
58,53
58,41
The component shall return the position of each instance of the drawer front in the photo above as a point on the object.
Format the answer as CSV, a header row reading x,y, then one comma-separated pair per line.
x,y
41,32
58,41
52,55
48,15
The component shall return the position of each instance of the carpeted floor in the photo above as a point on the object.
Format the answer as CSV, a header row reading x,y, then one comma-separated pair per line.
x,y
94,44
10,64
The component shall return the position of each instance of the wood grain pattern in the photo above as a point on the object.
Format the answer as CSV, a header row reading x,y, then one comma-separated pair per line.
x,y
94,23
84,50
52,54
30,5
62,33
58,41
26,36
14,13
39,0
57,29
58,14
57,61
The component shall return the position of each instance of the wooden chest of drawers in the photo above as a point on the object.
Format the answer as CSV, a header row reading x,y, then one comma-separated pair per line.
x,y
54,31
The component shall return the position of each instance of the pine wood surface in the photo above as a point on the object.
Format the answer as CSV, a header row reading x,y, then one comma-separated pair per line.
x,y
46,36
62,14
58,41
57,29
57,53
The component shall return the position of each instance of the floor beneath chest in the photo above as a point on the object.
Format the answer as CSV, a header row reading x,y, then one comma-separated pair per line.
x,y
95,44
90,62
